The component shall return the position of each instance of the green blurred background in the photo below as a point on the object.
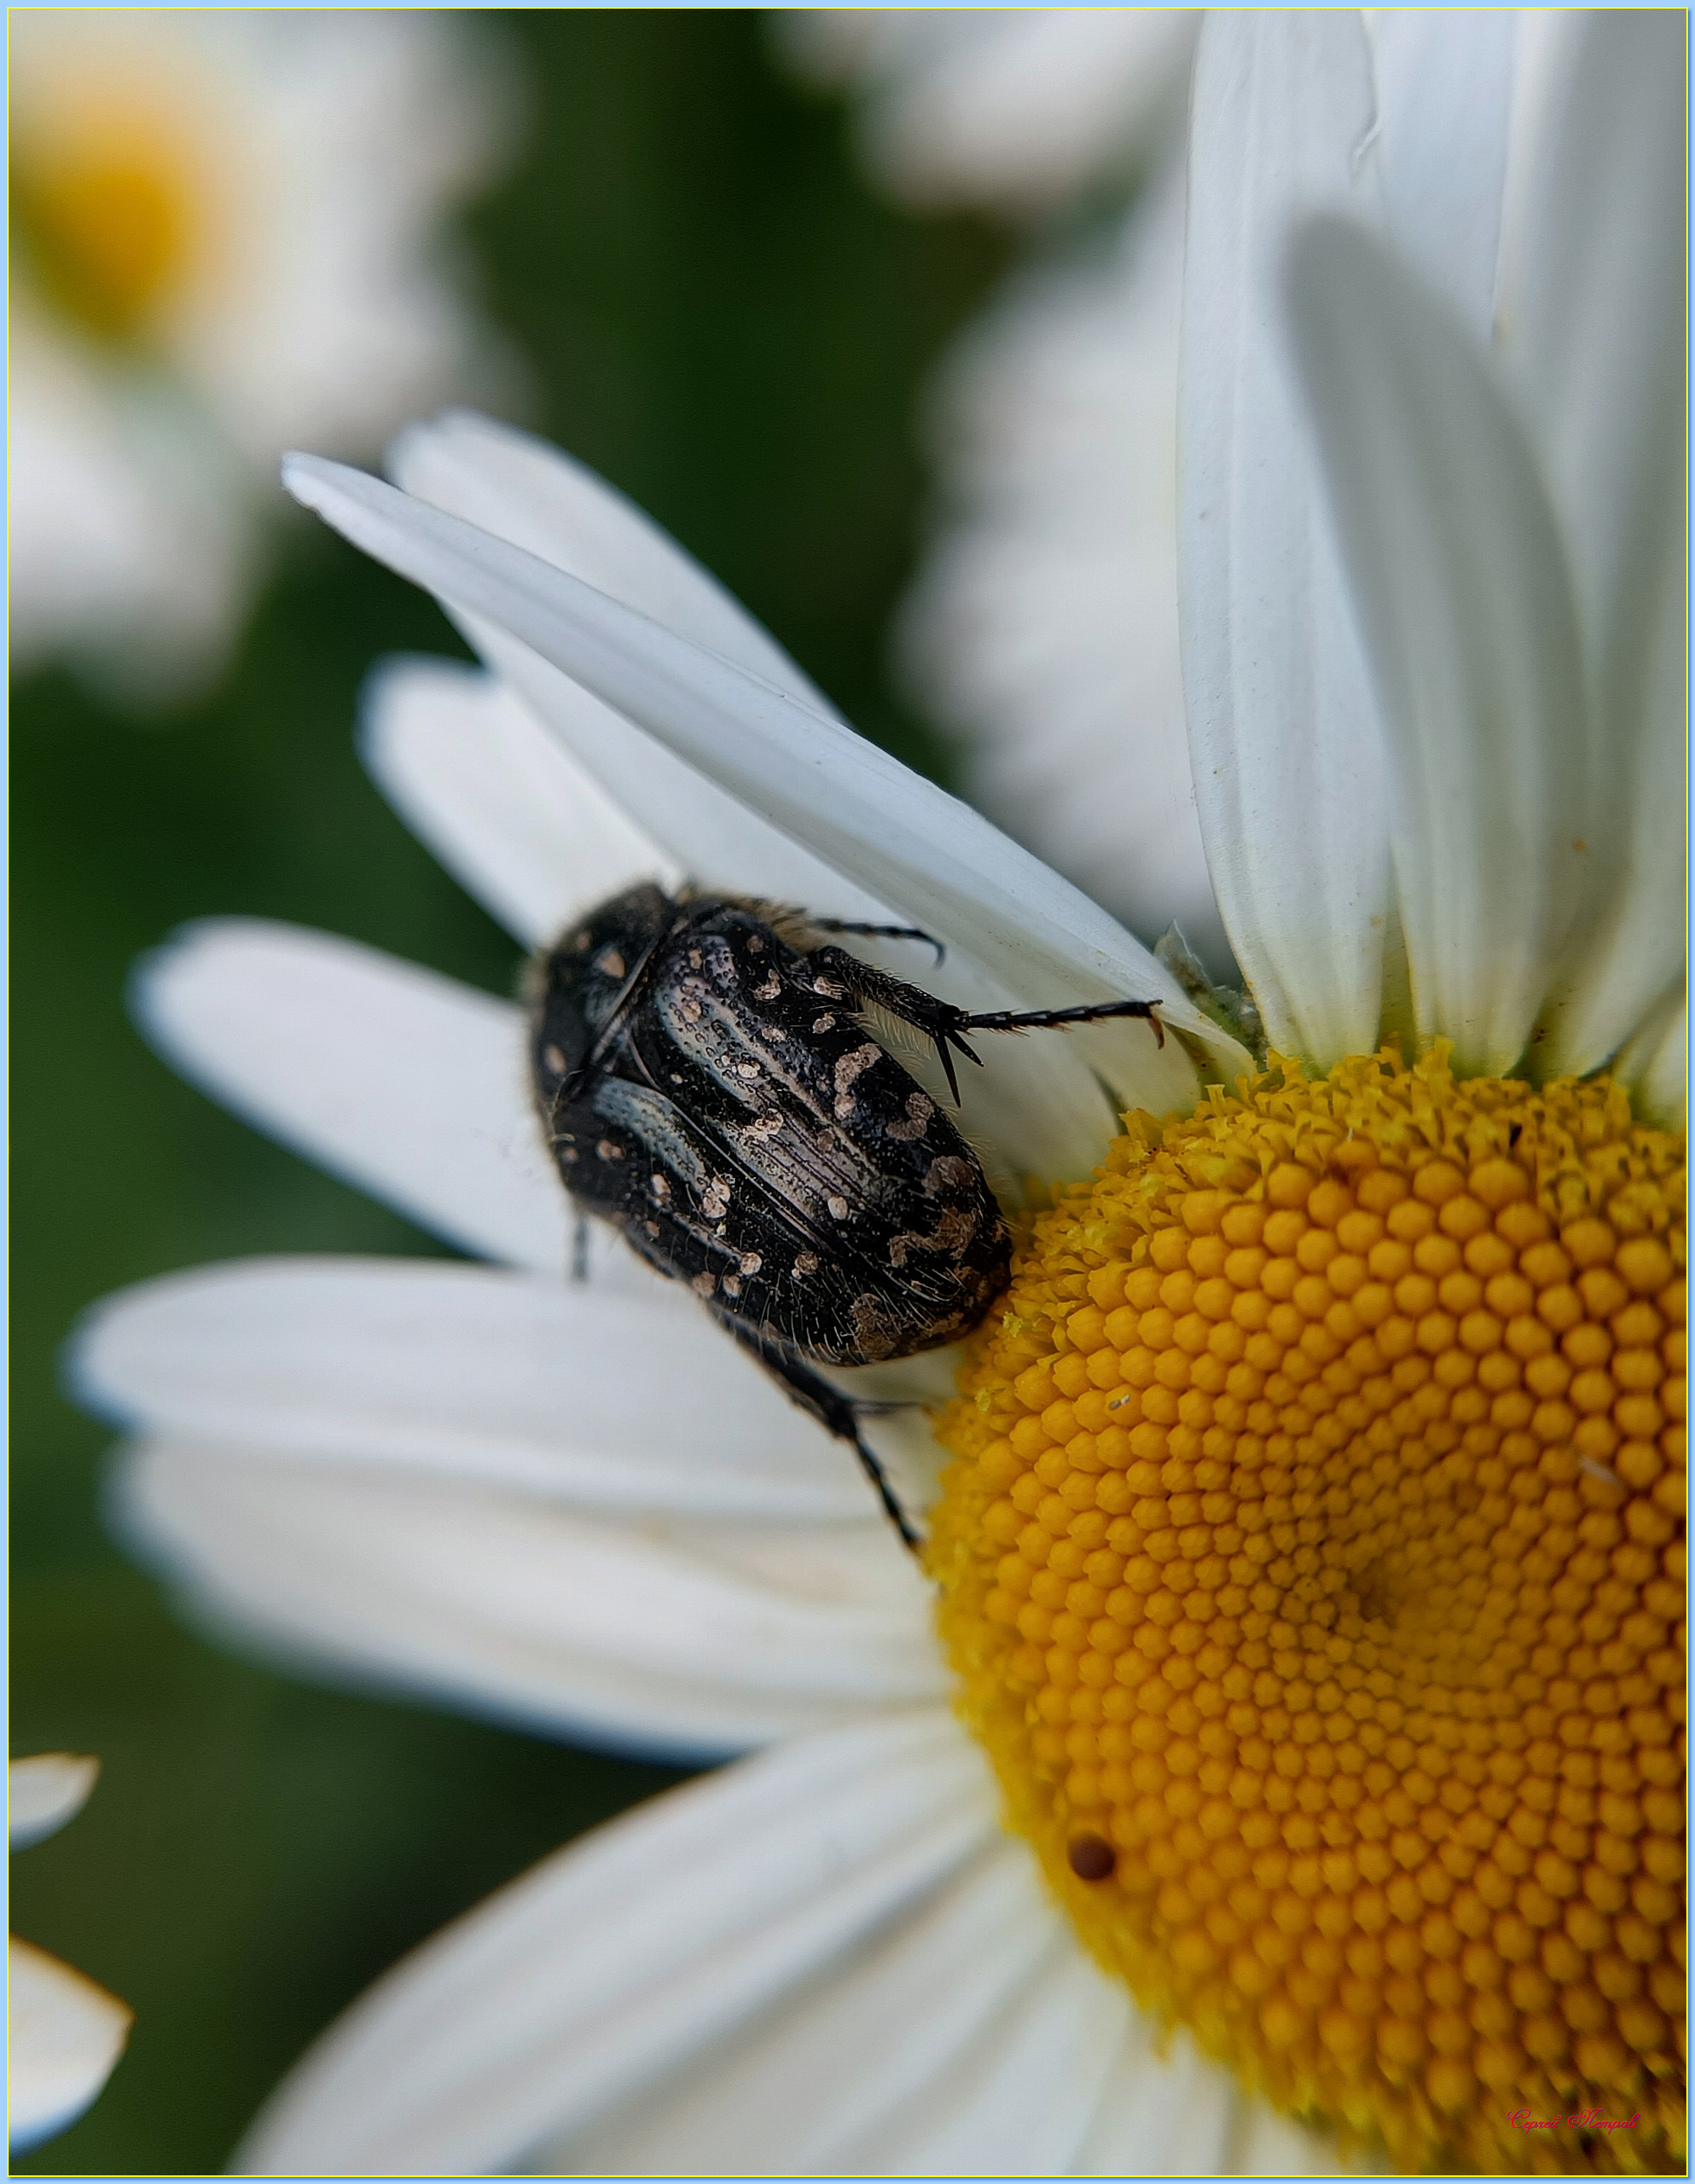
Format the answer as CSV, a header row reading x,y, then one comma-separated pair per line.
x,y
719,315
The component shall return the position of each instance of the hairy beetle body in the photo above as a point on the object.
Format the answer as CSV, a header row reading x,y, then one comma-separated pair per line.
x,y
706,1086
706,1083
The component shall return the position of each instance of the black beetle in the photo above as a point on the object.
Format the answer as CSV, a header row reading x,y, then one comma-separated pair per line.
x,y
705,1083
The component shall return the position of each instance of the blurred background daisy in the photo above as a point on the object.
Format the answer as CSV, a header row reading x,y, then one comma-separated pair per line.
x,y
230,232
669,245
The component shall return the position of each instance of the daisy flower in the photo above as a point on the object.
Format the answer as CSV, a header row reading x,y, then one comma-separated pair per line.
x,y
226,235
64,2033
1309,1546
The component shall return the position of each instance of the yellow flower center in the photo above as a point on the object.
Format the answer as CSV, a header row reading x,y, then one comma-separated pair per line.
x,y
103,215
1312,1567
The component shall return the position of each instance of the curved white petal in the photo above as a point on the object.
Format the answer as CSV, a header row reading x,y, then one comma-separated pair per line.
x,y
898,836
63,2035
409,1085
1282,730
849,2073
1455,566
690,1636
537,496
618,1961
1445,85
536,838
1042,628
418,1369
1040,1106
509,811
43,1792
1655,1065
1594,338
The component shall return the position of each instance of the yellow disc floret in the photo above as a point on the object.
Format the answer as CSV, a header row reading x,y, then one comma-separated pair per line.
x,y
1312,1566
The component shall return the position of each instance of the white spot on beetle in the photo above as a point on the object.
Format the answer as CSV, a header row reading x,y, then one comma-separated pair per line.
x,y
609,1149
769,988
919,1108
732,1287
690,1011
848,1069
747,1069
806,1262
554,1059
838,1206
823,1023
659,1186
704,1285
610,963
829,988
751,1262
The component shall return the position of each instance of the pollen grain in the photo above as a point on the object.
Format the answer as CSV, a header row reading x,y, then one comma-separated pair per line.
x,y
1312,1544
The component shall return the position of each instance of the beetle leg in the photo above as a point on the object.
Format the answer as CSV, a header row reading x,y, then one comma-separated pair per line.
x,y
879,931
943,1023
836,1413
1049,1019
861,982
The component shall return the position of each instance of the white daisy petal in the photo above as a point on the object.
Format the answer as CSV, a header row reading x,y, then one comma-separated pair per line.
x,y
43,1792
1655,1065
1592,327
537,497
618,1961
509,811
915,2005
898,836
1267,2143
417,1369
1164,2111
690,1637
1594,339
1281,724
409,1085
1464,598
63,2035
1445,80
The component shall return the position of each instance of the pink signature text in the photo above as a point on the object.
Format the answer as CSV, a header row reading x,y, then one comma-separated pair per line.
x,y
1580,2120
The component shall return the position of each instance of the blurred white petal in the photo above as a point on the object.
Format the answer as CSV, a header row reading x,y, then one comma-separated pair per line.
x,y
917,848
1455,562
1012,107
407,1084
1283,735
924,2007
418,1369
624,1958
1444,80
1655,1064
509,811
63,2035
43,1792
1594,339
669,1634
1042,628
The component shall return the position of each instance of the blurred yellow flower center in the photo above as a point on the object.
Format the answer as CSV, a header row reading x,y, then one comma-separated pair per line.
x,y
1312,1567
104,216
